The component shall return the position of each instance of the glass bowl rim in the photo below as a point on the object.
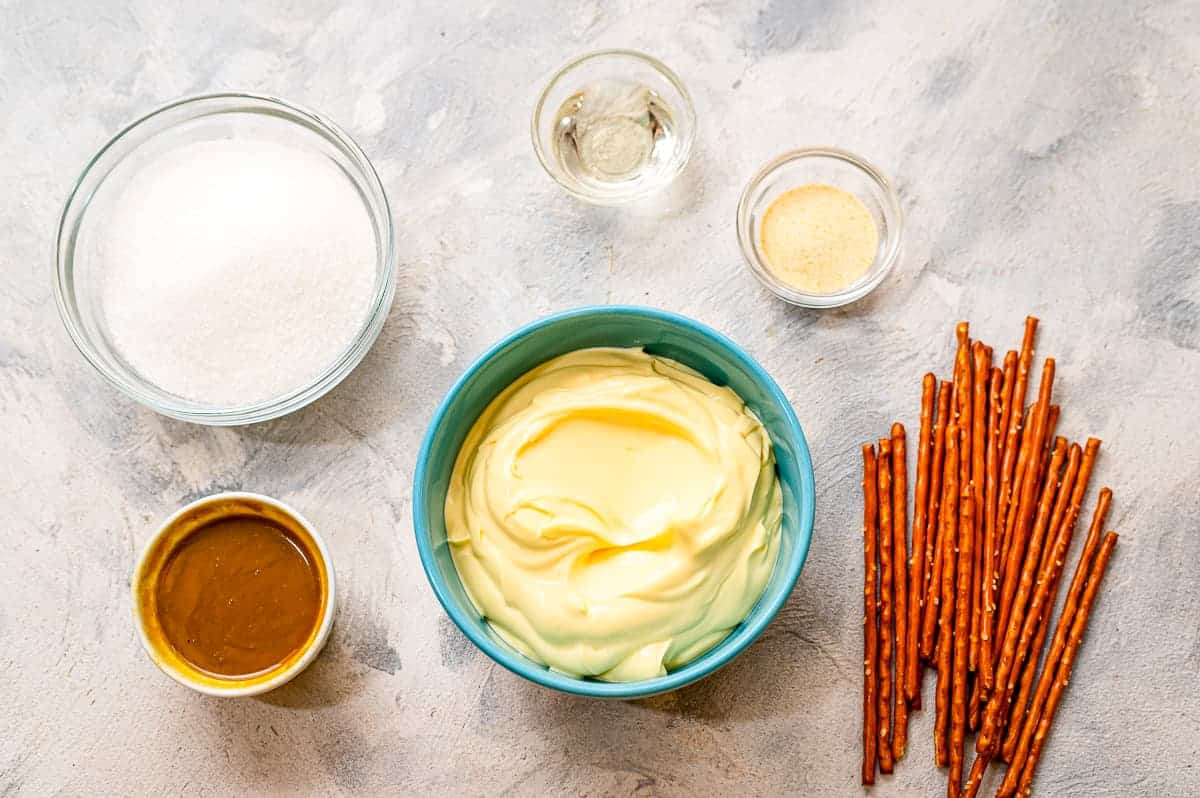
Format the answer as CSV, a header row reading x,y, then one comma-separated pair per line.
x,y
131,385
880,267
751,627
688,141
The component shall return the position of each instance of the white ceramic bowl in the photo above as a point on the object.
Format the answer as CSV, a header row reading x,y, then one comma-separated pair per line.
x,y
184,522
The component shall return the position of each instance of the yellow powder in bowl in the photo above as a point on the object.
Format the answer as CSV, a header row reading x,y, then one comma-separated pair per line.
x,y
818,239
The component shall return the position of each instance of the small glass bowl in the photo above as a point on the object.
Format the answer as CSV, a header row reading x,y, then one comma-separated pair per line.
x,y
185,121
625,66
827,166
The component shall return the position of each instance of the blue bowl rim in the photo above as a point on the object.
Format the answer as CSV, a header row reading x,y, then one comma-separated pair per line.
x,y
704,665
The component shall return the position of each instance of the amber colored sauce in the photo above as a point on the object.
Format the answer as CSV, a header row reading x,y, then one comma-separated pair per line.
x,y
239,596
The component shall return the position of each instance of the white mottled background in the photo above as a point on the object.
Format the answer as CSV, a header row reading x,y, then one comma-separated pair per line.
x,y
1046,155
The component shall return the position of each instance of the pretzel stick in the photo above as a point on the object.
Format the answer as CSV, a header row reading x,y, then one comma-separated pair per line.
x,y
1006,531
870,619
1028,502
1090,452
1017,712
1049,571
933,548
1048,445
884,695
980,415
1067,511
1067,517
1070,493
974,708
917,563
1016,404
1009,367
975,777
1016,564
900,583
986,415
1063,674
1044,449
1040,454
962,625
1002,527
982,366
988,577
1057,643
963,390
1016,644
1024,472
1048,565
945,641
1006,394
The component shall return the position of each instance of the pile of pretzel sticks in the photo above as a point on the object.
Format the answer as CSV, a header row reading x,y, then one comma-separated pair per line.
x,y
995,505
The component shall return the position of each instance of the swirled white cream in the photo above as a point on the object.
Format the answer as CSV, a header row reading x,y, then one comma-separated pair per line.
x,y
614,514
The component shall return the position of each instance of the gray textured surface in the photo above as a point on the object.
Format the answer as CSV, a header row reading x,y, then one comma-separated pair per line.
x,y
1046,155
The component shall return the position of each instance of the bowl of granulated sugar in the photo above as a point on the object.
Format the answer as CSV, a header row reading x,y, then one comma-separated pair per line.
x,y
226,259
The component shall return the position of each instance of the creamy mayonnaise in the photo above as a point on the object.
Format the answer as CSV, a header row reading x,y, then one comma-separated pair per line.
x,y
614,514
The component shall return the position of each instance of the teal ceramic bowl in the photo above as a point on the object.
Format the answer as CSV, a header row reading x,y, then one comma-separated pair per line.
x,y
659,333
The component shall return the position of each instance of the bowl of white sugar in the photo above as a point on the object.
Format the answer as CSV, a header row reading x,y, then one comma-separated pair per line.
x,y
226,259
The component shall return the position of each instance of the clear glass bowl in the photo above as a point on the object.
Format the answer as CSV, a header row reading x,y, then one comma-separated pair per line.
x,y
626,66
203,118
833,167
